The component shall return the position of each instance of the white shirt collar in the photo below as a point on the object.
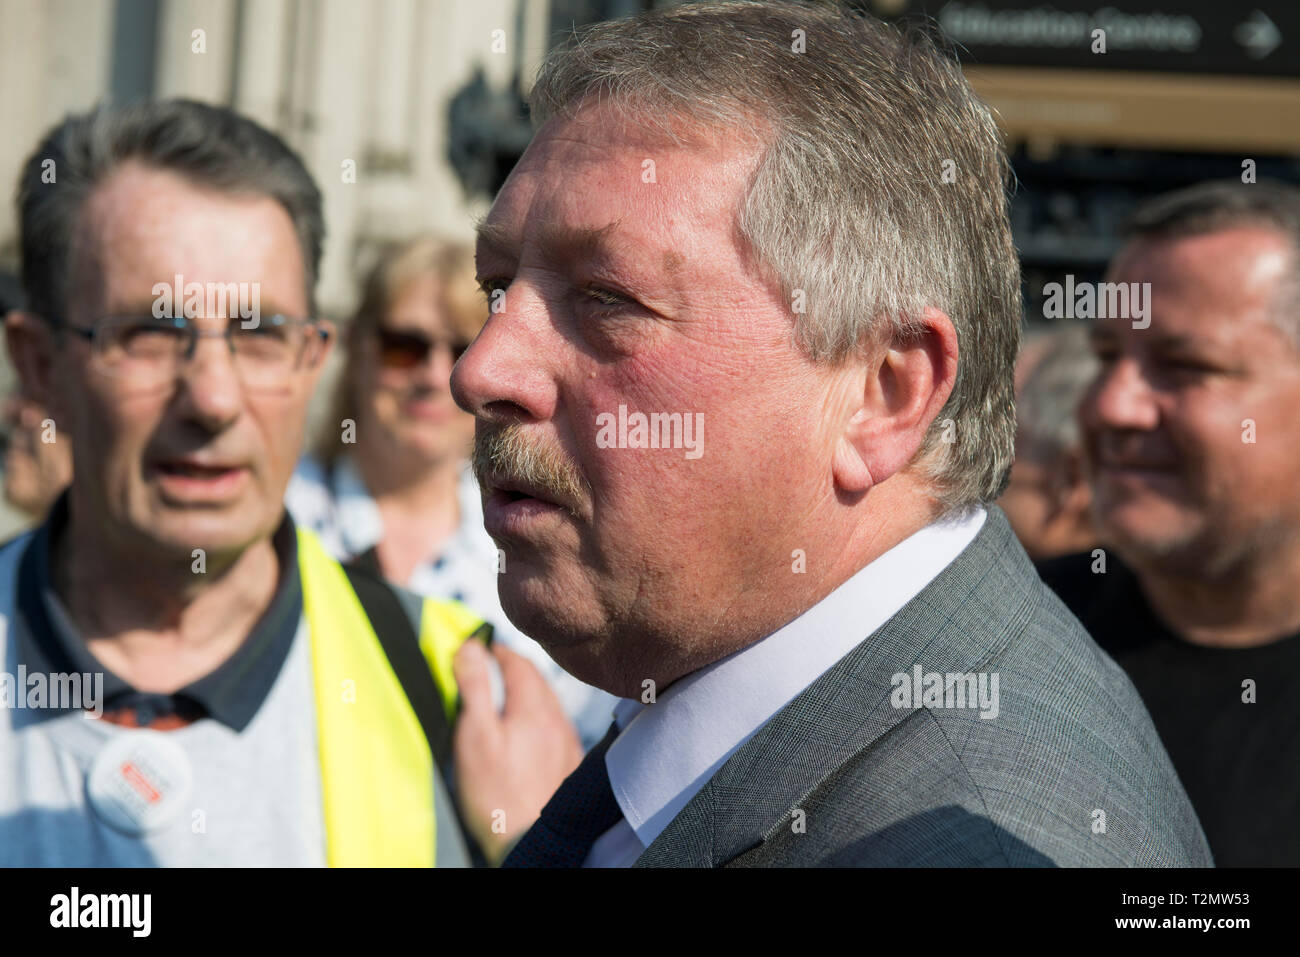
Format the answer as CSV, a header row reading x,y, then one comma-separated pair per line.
x,y
668,750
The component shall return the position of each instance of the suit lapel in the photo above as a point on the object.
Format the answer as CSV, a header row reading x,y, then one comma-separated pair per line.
x,y
958,623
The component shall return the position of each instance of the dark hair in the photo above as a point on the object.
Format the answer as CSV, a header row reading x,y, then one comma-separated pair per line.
x,y
208,145
1224,204
1217,204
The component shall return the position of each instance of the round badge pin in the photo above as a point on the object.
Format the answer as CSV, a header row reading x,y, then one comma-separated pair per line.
x,y
139,781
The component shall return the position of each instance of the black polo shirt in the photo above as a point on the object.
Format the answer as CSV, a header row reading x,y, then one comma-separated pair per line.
x,y
1239,762
47,641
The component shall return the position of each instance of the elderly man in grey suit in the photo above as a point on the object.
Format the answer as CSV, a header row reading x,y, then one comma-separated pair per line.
x,y
743,400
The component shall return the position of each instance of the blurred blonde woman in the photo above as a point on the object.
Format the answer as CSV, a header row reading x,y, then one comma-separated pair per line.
x,y
388,486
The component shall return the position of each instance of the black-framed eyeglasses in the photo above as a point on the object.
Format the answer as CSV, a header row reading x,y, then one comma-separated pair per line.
x,y
149,350
400,349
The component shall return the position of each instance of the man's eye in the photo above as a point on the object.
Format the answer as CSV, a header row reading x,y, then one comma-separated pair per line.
x,y
604,297
1190,366
491,285
262,331
136,330
147,335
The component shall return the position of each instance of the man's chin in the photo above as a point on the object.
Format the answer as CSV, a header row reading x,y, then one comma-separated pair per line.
x,y
550,627
188,532
569,638
1149,534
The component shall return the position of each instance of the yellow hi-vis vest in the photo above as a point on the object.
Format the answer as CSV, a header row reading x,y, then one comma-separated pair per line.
x,y
377,767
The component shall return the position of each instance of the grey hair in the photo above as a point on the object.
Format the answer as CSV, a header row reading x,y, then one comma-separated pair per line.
x,y
881,189
1052,390
208,145
1224,204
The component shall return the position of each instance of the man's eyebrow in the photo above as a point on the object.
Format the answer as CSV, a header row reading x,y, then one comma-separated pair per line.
x,y
1176,341
142,308
582,242
137,307
496,237
1162,341
559,241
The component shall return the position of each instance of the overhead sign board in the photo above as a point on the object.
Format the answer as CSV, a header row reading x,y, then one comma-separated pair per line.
x,y
1185,36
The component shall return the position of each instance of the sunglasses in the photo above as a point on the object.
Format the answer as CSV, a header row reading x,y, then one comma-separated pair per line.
x,y
406,350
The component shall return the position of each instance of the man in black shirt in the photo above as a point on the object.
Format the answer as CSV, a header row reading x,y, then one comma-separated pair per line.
x,y
1192,442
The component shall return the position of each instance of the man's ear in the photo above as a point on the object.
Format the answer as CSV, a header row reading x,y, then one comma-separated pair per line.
x,y
326,352
333,330
907,383
30,342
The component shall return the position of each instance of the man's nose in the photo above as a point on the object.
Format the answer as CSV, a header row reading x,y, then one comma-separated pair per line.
x,y
1121,398
502,375
210,384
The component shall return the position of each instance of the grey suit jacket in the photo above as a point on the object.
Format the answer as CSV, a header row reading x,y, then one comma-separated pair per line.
x,y
1069,773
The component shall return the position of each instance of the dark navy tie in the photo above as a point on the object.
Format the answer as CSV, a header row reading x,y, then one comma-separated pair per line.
x,y
581,810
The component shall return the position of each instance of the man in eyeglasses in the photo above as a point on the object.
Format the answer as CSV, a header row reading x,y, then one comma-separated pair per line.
x,y
255,703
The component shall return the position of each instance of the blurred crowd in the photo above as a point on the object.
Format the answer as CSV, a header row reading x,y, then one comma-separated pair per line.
x,y
1156,483
1154,486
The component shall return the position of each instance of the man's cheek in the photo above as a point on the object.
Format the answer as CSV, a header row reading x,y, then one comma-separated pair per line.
x,y
95,422
281,441
68,406
1223,438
